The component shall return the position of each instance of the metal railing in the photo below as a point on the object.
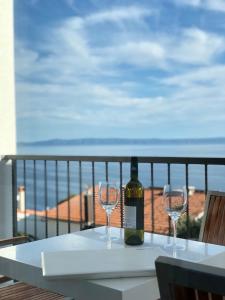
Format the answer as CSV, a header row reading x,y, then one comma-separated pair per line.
x,y
43,176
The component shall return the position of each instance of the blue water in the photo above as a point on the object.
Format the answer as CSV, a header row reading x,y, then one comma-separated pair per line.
x,y
210,150
216,174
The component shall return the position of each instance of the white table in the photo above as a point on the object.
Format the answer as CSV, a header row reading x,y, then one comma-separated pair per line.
x,y
23,263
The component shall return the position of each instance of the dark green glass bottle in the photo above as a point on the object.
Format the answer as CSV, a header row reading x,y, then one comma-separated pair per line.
x,y
134,208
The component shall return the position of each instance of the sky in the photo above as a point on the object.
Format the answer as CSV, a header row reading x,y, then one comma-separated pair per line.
x,y
119,68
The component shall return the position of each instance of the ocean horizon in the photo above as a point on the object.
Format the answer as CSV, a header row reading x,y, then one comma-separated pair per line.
x,y
172,149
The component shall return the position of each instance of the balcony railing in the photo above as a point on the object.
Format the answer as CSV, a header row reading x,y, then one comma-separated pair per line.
x,y
50,184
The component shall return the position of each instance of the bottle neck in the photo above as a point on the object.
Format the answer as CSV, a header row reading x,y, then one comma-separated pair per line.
x,y
134,169
134,176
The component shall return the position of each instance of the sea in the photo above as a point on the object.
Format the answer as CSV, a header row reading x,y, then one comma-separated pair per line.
x,y
57,188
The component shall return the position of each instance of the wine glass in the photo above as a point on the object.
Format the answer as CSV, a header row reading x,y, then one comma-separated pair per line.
x,y
108,198
175,204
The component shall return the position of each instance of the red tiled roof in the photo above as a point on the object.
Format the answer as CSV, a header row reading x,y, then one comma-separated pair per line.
x,y
196,206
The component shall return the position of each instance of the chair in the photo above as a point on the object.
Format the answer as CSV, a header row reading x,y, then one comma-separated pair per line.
x,y
213,222
183,280
20,290
23,291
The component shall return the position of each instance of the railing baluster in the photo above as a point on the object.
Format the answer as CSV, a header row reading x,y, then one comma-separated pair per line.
x,y
14,197
106,178
93,190
80,188
25,196
57,196
169,182
206,179
68,197
121,195
35,199
152,198
106,171
187,187
169,173
46,198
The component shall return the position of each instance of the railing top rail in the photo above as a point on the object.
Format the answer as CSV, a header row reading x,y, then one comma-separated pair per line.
x,y
125,159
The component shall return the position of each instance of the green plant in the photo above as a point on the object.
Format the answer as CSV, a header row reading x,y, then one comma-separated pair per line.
x,y
193,224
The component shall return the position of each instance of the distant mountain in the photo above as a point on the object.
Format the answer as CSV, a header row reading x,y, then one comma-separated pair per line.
x,y
122,141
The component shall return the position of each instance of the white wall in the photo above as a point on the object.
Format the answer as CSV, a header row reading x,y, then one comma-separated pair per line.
x,y
7,113
7,86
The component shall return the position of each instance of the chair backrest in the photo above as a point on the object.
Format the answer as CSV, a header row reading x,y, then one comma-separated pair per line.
x,y
213,222
183,280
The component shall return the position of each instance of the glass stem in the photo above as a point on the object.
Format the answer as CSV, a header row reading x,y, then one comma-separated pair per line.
x,y
174,232
108,220
108,226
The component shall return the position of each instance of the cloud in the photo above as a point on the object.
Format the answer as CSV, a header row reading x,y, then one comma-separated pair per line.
x,y
196,46
25,59
81,75
217,5
70,3
90,104
118,14
68,44
204,76
143,54
191,46
71,45
198,94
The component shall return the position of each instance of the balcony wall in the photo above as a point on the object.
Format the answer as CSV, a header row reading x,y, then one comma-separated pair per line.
x,y
5,200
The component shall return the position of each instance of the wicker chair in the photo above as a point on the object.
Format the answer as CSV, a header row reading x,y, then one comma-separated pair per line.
x,y
183,280
213,222
19,290
190,281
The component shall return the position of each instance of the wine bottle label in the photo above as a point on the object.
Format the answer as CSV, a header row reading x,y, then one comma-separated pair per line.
x,y
134,214
130,217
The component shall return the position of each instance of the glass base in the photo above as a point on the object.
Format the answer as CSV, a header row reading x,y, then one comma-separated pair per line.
x,y
173,246
106,238
174,250
108,235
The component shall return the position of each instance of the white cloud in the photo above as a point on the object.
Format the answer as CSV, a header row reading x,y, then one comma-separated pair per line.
x,y
70,3
25,59
120,98
80,81
100,105
69,45
198,94
217,5
189,2
204,76
196,46
142,54
118,14
87,103
191,46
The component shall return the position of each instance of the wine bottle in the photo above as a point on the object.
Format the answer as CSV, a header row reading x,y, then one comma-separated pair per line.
x,y
134,208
